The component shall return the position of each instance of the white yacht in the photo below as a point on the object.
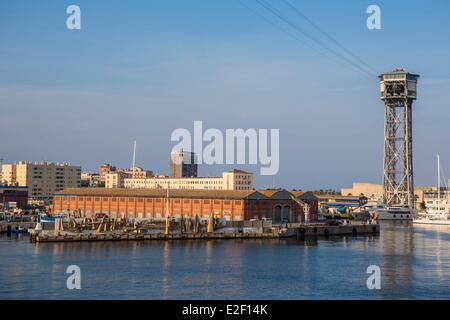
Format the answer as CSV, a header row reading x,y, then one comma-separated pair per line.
x,y
437,204
401,213
432,219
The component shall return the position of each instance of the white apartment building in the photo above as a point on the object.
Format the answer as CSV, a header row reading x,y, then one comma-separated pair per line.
x,y
43,179
116,179
230,180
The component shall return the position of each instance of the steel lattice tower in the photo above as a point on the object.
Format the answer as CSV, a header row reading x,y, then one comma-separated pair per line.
x,y
398,91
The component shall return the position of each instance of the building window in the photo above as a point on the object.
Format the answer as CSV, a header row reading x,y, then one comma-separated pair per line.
x,y
277,214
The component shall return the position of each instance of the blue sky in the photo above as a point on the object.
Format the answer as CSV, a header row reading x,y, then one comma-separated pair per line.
x,y
141,69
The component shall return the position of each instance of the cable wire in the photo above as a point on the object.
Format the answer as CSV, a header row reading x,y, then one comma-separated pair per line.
x,y
278,14
277,26
292,35
318,28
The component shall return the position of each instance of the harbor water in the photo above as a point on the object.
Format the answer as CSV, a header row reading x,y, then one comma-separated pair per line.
x,y
414,262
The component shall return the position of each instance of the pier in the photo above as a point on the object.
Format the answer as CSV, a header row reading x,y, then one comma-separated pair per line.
x,y
8,227
300,231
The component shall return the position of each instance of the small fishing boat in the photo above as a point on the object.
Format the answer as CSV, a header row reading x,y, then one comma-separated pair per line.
x,y
43,217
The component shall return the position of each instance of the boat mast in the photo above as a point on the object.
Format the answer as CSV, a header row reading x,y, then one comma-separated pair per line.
x,y
439,185
133,164
168,200
439,179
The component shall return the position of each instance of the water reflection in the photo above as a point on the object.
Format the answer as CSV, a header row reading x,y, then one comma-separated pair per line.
x,y
414,262
396,244
165,270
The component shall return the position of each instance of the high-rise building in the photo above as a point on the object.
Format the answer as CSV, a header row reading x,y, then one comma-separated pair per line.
x,y
183,164
43,179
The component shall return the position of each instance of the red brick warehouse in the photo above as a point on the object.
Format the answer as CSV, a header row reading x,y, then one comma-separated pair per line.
x,y
155,204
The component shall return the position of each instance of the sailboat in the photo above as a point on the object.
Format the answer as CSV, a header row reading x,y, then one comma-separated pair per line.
x,y
437,206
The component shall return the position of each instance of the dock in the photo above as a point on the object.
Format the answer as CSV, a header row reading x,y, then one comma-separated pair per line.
x,y
301,231
8,227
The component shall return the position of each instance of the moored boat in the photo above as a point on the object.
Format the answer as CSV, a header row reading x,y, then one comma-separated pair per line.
x,y
395,213
437,204
433,220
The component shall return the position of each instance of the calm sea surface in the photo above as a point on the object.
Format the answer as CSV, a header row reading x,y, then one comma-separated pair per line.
x,y
414,262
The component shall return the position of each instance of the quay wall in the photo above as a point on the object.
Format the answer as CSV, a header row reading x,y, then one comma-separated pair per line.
x,y
5,225
302,232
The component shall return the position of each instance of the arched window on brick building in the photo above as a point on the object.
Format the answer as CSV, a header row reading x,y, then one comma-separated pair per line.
x,y
277,214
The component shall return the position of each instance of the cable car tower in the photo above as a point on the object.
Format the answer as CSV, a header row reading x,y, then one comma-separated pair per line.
x,y
398,91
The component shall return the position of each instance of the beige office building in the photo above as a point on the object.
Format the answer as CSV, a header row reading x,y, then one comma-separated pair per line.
x,y
374,192
230,180
43,179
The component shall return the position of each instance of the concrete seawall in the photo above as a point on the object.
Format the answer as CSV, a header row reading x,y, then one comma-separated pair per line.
x,y
6,226
349,229
297,232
